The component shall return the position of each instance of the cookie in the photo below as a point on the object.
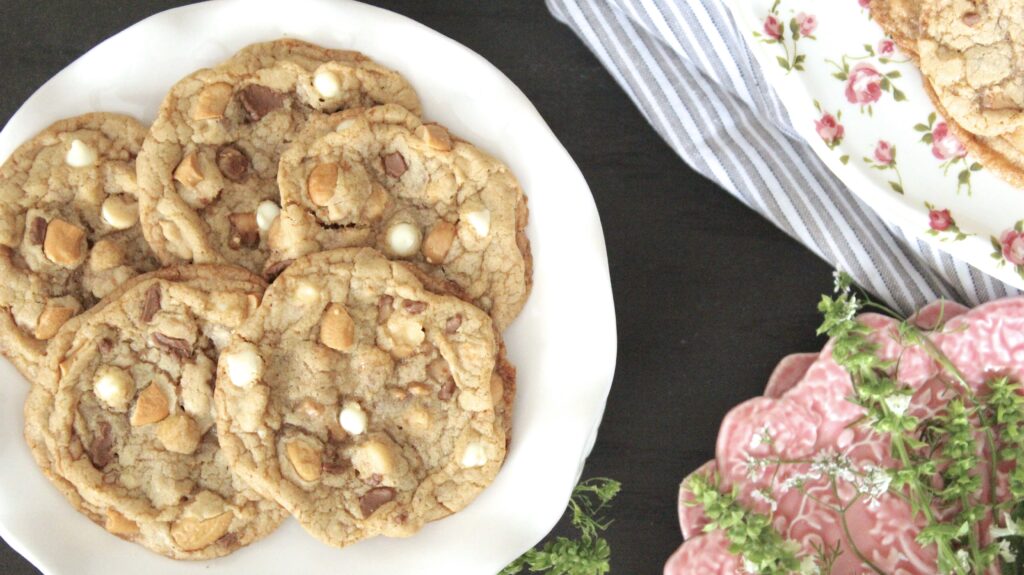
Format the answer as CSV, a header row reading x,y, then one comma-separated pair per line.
x,y
972,53
130,427
901,21
1002,155
380,177
362,402
208,168
69,232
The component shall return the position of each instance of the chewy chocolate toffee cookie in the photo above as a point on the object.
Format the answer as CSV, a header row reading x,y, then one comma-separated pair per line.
x,y
208,169
972,53
380,177
362,402
69,232
124,425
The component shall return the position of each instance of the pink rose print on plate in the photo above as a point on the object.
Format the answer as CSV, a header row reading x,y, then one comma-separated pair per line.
x,y
1012,243
886,47
830,129
1009,248
863,85
884,152
885,160
939,220
948,150
772,27
864,82
945,146
941,224
774,31
806,23
864,3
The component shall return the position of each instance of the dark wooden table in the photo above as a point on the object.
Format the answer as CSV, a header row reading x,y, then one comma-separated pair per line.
x,y
709,296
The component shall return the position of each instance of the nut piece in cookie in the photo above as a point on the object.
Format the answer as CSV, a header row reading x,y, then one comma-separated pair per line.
x,y
212,101
150,406
65,243
53,317
337,330
179,433
305,459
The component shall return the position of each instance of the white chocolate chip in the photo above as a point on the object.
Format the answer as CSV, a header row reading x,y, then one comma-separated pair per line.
x,y
345,124
481,221
327,84
266,213
306,292
114,387
80,155
473,455
352,418
378,455
218,334
119,212
244,365
404,239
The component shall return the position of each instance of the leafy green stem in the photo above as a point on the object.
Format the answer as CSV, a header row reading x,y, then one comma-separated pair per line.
x,y
856,551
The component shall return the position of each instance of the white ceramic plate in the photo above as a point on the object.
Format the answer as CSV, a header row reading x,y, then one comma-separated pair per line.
x,y
564,343
836,67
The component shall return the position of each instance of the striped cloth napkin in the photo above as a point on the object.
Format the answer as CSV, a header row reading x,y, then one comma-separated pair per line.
x,y
686,66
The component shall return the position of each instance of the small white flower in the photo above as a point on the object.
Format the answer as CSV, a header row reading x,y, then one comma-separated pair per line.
x,y
833,465
809,567
964,559
755,467
750,567
852,305
762,437
1012,528
764,495
873,483
797,481
1006,552
898,404
840,284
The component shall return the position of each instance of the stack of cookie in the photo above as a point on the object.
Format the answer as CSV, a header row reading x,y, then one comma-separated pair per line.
x,y
971,53
180,401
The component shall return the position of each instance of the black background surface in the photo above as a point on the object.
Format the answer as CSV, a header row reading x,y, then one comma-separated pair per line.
x,y
708,295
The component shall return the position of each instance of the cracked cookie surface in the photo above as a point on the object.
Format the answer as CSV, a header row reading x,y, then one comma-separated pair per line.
x,y
972,53
361,401
382,178
208,169
69,232
124,425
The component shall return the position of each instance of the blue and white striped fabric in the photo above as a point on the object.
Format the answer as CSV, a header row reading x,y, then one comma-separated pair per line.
x,y
685,65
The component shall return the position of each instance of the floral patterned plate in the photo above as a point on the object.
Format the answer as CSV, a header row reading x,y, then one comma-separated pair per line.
x,y
861,105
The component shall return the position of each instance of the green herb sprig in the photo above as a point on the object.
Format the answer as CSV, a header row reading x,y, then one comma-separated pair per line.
x,y
587,555
750,534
